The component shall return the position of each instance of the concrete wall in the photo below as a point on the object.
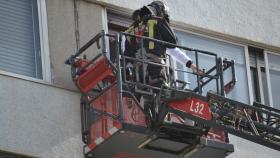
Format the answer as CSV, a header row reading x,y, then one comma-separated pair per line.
x,y
247,149
39,120
255,20
62,37
62,41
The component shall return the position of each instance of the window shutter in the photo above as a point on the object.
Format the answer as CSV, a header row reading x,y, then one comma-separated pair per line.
x,y
252,59
119,20
19,38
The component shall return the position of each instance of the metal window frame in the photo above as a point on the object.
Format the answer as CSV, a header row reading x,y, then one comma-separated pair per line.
x,y
258,65
267,73
44,40
248,73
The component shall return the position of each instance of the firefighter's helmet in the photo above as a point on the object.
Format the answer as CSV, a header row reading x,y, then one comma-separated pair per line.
x,y
156,8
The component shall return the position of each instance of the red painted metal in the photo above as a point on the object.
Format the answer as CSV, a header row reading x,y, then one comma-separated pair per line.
x,y
95,73
108,103
217,135
132,113
200,108
81,63
193,106
101,129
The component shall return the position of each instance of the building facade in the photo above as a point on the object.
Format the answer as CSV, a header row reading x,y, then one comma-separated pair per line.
x,y
39,104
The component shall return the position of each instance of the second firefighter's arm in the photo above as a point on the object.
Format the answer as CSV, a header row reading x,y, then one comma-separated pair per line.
x,y
183,59
179,56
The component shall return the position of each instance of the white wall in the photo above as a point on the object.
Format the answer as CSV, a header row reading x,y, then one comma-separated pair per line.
x,y
62,36
39,120
256,20
246,149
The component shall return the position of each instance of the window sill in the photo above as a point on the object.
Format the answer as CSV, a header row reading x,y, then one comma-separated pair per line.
x,y
35,80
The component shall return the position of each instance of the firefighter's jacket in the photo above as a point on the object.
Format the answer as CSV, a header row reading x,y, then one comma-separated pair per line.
x,y
157,28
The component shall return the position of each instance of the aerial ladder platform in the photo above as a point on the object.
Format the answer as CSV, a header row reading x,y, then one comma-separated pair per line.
x,y
125,118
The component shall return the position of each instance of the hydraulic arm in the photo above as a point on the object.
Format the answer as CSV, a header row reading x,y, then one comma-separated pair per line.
x,y
257,123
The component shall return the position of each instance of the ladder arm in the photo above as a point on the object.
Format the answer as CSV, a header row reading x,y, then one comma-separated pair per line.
x,y
234,117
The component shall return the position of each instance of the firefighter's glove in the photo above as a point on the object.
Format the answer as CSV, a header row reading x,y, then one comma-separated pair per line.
x,y
200,72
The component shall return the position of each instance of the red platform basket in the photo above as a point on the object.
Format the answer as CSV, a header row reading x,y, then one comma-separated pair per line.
x,y
94,74
106,121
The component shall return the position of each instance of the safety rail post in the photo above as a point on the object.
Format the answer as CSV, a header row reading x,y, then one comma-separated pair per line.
x,y
123,59
233,71
143,58
169,76
119,78
84,105
221,73
197,73
217,72
104,49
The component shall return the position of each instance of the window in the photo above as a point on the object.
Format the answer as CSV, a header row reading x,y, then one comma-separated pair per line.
x,y
274,75
265,73
116,24
20,49
258,75
224,50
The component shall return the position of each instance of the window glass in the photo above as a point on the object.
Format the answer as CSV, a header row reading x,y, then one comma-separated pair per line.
x,y
255,84
265,88
19,38
274,72
222,49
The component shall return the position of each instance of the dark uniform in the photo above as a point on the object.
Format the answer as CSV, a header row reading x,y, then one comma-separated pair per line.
x,y
157,28
132,46
152,27
153,24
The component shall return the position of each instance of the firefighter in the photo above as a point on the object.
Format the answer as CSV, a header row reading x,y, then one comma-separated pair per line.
x,y
129,45
153,21
156,18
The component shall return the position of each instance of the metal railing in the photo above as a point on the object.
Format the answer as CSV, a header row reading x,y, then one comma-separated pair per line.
x,y
144,88
121,61
229,115
218,67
